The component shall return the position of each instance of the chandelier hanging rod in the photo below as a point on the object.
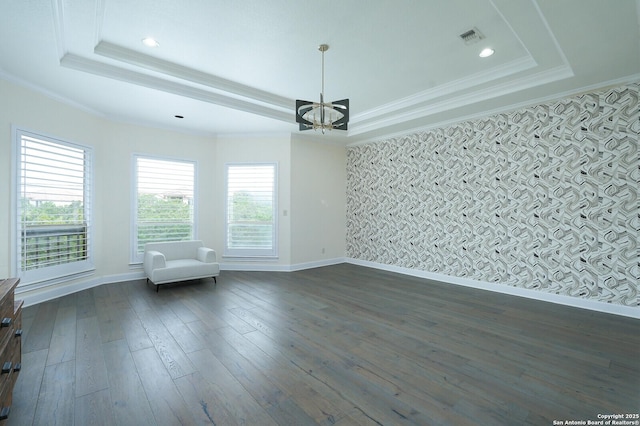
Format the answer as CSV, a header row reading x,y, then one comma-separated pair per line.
x,y
323,116
323,48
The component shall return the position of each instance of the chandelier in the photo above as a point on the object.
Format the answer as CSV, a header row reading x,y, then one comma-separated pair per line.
x,y
322,115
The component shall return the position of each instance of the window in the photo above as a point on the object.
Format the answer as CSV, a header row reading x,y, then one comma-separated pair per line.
x,y
53,208
164,200
251,210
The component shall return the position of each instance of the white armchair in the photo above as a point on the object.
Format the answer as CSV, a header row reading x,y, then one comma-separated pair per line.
x,y
175,261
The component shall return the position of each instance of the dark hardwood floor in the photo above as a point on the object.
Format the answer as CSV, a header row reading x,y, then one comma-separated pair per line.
x,y
338,345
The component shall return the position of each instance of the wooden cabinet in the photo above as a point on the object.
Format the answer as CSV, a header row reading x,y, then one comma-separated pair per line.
x,y
10,343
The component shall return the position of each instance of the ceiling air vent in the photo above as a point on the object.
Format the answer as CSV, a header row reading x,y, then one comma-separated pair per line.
x,y
471,36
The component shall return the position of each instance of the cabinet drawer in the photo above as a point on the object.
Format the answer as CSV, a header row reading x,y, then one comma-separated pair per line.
x,y
10,344
7,320
10,365
7,380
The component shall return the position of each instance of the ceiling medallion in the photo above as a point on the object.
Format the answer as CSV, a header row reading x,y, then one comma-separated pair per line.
x,y
322,115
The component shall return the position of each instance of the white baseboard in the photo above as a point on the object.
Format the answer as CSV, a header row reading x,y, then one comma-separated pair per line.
x,y
43,294
248,266
266,267
32,297
610,308
316,264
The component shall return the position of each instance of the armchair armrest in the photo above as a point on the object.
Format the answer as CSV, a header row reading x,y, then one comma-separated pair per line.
x,y
206,255
153,260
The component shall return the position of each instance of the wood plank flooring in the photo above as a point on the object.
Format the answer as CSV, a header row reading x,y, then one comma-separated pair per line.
x,y
339,345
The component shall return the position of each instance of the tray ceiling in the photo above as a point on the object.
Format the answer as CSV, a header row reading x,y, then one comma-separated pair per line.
x,y
237,67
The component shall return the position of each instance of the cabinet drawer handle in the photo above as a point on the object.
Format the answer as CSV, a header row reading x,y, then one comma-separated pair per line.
x,y
6,367
4,413
6,322
17,367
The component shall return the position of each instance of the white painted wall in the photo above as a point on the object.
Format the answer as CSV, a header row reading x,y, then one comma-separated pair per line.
x,y
312,182
318,207
114,184
31,111
257,149
114,144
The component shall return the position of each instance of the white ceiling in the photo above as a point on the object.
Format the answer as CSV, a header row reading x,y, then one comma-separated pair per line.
x,y
237,67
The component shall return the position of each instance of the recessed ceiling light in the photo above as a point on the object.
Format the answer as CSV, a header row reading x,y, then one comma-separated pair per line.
x,y
151,42
487,52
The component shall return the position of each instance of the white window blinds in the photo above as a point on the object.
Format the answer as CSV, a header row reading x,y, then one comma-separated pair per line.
x,y
251,210
53,208
165,191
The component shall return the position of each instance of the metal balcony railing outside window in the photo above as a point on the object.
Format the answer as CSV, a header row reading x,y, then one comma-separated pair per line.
x,y
51,245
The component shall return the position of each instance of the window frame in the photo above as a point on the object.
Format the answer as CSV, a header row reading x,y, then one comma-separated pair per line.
x,y
135,256
253,253
48,275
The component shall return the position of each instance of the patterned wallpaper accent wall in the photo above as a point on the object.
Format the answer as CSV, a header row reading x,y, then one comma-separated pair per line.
x,y
542,198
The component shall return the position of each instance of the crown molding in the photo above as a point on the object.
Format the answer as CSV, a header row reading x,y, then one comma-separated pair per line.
x,y
90,66
634,78
57,7
508,69
48,93
526,82
163,67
